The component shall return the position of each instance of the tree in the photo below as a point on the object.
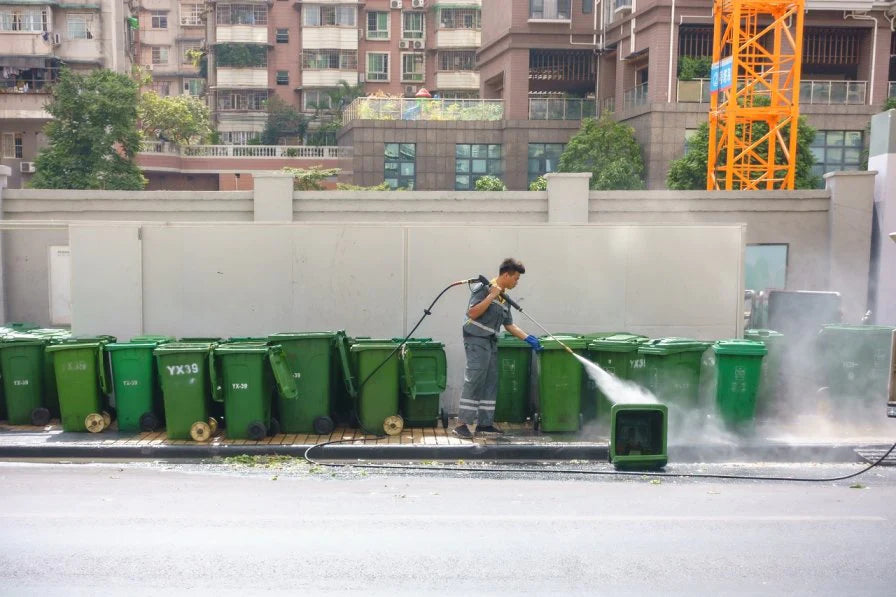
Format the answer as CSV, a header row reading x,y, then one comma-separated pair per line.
x,y
490,183
283,120
181,119
93,137
609,151
539,184
310,179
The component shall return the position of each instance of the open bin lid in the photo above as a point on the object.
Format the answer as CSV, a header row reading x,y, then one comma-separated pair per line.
x,y
342,356
667,346
302,336
408,383
286,383
618,343
184,347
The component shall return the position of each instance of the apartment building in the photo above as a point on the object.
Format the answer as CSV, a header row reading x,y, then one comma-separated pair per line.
x,y
168,30
37,38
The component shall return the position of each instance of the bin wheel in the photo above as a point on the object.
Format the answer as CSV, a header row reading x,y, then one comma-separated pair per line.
x,y
256,430
107,419
94,423
444,418
200,431
274,427
40,416
536,421
149,422
213,425
323,425
393,425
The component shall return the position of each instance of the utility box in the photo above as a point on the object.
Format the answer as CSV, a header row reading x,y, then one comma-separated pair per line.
x,y
638,436
891,400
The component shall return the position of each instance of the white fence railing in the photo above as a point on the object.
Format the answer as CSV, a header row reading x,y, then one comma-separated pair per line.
x,y
558,108
833,92
636,96
248,151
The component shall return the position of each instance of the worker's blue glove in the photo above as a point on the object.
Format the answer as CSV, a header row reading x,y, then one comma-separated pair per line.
x,y
534,343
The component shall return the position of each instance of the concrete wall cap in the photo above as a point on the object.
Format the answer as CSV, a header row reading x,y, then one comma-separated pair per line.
x,y
550,175
850,173
270,174
5,170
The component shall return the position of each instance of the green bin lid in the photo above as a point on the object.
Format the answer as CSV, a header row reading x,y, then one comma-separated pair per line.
x,y
573,342
422,343
668,346
201,339
756,334
618,343
739,346
183,347
302,336
511,341
153,338
19,339
373,345
130,345
859,329
242,347
75,345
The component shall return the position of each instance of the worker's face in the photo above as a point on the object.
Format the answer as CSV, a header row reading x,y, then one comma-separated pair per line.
x,y
509,280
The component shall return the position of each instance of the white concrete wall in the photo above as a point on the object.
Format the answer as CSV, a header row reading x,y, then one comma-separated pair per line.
x,y
375,280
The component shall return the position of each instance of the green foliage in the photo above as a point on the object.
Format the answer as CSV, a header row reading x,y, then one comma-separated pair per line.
x,y
539,184
311,179
199,58
325,134
383,186
490,183
283,120
609,151
690,68
889,104
93,137
182,119
241,55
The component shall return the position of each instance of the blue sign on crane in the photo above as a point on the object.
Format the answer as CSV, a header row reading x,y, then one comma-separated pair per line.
x,y
720,75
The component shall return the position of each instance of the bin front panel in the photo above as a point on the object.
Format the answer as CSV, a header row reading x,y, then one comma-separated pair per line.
x,y
186,390
248,386
378,397
77,381
134,385
23,380
559,391
310,360
514,367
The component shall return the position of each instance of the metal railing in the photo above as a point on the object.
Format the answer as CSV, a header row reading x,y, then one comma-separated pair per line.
x,y
247,151
636,96
608,104
693,91
833,92
408,108
556,108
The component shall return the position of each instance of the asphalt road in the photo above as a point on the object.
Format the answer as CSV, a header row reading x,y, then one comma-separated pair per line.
x,y
254,526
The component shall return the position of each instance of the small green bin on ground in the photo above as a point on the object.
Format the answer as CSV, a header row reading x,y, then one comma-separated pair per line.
x,y
22,365
423,378
514,370
671,370
186,389
616,354
560,385
638,436
376,375
770,387
135,381
82,383
738,366
246,373
310,358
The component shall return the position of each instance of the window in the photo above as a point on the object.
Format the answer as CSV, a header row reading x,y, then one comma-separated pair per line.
x,y
457,60
587,6
241,14
282,77
543,158
162,88
549,9
191,15
412,67
12,145
190,47
460,18
282,36
399,170
80,26
472,162
377,66
836,150
159,20
237,137
230,100
765,266
316,99
17,19
330,59
160,55
412,25
316,15
194,86
377,25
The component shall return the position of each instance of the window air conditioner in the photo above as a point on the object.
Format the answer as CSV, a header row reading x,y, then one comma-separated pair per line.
x,y
416,3
410,90
395,3
418,44
26,167
404,44
57,39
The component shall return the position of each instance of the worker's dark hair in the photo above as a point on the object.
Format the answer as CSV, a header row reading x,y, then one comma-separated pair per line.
x,y
511,265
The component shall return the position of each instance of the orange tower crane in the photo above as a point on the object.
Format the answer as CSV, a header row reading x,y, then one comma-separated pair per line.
x,y
755,94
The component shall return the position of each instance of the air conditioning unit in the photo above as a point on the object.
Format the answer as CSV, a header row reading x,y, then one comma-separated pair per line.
x,y
395,4
410,90
57,39
404,44
26,167
416,3
418,44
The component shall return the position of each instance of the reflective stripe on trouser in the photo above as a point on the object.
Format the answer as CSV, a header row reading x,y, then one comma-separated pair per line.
x,y
480,381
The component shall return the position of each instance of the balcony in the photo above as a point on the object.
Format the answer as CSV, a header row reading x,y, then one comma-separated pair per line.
x,y
28,105
243,34
341,38
457,80
561,109
396,108
458,38
549,11
833,92
693,91
636,96
242,77
328,77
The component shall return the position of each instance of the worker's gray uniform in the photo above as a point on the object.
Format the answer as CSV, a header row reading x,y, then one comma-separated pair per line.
x,y
481,345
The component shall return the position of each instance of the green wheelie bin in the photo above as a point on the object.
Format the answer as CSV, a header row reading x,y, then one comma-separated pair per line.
x,y
22,364
514,370
670,369
856,363
560,385
616,354
769,379
244,375
375,366
423,378
310,359
738,367
135,381
82,382
185,380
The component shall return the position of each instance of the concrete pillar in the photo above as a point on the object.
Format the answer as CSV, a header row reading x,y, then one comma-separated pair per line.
x,y
5,173
882,158
272,197
849,239
568,197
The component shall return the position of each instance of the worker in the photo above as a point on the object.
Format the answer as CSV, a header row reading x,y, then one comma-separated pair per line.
x,y
487,312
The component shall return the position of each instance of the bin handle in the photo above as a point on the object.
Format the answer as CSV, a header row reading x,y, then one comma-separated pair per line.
x,y
217,393
101,368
